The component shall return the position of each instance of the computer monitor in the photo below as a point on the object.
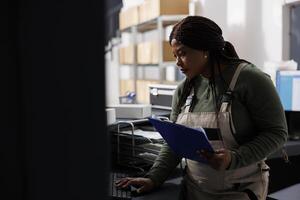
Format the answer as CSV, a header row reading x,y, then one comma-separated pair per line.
x,y
288,87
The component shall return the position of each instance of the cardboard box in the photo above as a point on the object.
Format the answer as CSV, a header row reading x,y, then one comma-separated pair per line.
x,y
126,86
129,54
144,11
132,111
148,52
144,53
126,55
129,17
167,55
153,8
167,52
121,56
143,95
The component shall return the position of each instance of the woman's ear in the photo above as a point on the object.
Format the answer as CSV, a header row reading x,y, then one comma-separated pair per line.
x,y
205,54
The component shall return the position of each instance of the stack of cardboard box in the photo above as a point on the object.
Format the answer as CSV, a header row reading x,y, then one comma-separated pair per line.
x,y
126,55
143,94
148,52
144,53
126,86
128,17
167,55
151,9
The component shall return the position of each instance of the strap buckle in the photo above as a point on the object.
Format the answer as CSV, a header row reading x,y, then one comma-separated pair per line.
x,y
227,96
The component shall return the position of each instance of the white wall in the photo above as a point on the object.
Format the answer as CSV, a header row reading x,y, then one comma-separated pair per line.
x,y
254,27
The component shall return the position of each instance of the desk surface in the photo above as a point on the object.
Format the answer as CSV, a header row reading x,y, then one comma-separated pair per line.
x,y
292,149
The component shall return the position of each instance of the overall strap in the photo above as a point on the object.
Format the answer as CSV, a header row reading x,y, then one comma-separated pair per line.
x,y
236,75
226,98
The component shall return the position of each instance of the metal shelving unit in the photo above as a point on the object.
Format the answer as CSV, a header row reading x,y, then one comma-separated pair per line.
x,y
159,25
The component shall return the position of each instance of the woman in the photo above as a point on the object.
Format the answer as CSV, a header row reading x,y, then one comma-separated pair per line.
x,y
238,106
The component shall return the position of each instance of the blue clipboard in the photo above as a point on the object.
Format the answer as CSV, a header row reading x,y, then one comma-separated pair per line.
x,y
183,140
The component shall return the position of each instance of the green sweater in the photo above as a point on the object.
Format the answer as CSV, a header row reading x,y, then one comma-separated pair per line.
x,y
257,115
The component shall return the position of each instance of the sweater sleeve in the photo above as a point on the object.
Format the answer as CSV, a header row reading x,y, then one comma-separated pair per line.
x,y
267,114
167,160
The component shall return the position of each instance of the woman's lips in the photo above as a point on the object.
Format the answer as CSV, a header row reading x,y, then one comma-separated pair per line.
x,y
183,70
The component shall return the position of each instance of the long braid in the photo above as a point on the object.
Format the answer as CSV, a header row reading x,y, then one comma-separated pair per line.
x,y
187,87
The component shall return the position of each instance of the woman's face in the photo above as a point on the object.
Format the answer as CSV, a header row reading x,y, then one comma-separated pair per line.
x,y
191,62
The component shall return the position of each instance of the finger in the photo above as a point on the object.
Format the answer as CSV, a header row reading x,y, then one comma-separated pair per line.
x,y
206,154
118,182
200,154
142,189
220,151
122,182
133,182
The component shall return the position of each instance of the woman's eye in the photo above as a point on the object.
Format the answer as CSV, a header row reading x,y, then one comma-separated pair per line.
x,y
183,53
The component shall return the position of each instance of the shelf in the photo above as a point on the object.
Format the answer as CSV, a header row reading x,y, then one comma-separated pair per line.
x,y
164,64
143,55
166,20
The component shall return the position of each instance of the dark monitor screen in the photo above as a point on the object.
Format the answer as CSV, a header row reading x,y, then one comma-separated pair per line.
x,y
293,123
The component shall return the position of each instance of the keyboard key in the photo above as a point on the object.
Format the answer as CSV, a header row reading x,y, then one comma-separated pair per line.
x,y
119,193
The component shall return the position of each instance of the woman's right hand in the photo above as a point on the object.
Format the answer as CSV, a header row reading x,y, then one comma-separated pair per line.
x,y
143,184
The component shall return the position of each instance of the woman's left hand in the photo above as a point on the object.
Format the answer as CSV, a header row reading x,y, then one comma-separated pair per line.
x,y
219,160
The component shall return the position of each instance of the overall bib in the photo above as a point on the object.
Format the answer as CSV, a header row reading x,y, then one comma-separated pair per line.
x,y
205,183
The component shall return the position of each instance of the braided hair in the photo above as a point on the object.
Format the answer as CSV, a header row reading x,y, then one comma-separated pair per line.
x,y
203,34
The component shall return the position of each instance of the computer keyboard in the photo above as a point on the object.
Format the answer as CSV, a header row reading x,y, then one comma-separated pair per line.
x,y
119,193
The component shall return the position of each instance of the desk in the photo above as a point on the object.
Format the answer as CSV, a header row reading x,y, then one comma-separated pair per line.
x,y
282,175
292,149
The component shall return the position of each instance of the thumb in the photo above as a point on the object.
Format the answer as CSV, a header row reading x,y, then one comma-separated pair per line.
x,y
220,151
206,154
141,189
